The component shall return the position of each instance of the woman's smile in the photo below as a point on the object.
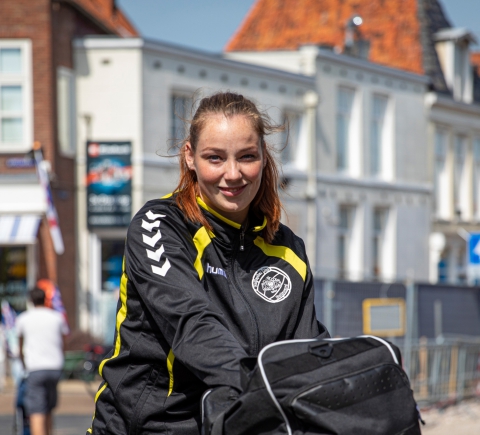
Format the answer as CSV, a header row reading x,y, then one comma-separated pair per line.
x,y
232,191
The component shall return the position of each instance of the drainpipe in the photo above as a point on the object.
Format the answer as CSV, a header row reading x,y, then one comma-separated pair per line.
x,y
310,100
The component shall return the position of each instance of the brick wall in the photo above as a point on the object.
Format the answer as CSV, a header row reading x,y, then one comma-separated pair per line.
x,y
51,26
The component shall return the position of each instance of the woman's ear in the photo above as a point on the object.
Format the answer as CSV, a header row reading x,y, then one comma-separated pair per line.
x,y
189,157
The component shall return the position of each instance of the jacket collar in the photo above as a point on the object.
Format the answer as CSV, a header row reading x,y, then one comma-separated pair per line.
x,y
224,227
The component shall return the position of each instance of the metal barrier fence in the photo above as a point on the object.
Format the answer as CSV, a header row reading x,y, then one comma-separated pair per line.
x,y
441,339
445,372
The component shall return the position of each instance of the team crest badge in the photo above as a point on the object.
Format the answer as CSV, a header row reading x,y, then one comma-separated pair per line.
x,y
271,284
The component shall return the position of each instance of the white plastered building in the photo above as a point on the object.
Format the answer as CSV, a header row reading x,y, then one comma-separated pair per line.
x,y
373,194
136,91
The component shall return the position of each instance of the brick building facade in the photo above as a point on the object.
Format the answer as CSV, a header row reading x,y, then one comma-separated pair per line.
x,y
40,34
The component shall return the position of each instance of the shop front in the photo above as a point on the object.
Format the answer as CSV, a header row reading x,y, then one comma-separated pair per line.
x,y
21,209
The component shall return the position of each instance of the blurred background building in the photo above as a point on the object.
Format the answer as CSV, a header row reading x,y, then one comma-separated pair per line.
x,y
381,175
38,103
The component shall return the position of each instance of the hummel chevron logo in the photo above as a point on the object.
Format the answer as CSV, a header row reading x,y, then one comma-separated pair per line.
x,y
155,255
162,270
152,216
149,226
150,241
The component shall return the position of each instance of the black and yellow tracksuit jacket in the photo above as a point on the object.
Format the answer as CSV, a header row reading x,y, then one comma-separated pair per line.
x,y
192,305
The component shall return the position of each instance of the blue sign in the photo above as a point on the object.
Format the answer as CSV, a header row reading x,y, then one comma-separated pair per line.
x,y
474,248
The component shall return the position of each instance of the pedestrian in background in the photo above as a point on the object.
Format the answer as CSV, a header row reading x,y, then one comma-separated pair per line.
x,y
41,332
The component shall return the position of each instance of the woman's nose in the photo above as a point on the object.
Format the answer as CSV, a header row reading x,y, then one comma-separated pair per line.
x,y
232,171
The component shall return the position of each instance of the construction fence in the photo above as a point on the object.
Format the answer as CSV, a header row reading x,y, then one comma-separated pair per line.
x,y
437,327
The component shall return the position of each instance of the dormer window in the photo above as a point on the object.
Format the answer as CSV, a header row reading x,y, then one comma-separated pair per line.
x,y
453,52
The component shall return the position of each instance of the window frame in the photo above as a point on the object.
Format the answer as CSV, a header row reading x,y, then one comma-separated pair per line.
x,y
69,118
25,80
343,164
379,121
344,237
175,122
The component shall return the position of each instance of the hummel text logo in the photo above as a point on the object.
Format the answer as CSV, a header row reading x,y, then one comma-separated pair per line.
x,y
215,270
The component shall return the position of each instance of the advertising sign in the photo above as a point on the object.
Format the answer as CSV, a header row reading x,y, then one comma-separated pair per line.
x,y
109,184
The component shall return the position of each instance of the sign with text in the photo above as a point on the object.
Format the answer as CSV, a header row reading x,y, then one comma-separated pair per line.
x,y
384,317
109,184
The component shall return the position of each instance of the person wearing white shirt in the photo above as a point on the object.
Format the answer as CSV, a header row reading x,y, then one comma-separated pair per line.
x,y
41,332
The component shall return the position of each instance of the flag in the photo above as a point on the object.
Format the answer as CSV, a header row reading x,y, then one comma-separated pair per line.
x,y
8,320
51,213
53,297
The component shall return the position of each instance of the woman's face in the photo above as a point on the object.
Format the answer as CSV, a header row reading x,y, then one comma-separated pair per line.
x,y
229,162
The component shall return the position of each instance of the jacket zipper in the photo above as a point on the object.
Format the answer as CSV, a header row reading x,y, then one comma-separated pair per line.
x,y
242,294
242,239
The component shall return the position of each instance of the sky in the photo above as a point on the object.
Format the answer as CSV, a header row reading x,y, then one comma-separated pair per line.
x,y
209,24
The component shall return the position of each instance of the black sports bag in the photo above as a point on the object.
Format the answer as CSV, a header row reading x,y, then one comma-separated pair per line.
x,y
350,386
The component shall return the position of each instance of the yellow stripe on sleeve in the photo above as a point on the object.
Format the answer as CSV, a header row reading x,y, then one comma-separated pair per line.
x,y
170,359
285,254
121,315
201,240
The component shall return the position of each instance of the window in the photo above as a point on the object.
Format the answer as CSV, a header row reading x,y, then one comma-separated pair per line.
x,y
14,276
345,218
459,174
476,177
181,108
377,134
66,110
378,237
293,137
344,118
15,95
441,178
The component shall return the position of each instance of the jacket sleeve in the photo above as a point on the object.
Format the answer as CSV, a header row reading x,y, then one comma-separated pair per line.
x,y
159,260
307,324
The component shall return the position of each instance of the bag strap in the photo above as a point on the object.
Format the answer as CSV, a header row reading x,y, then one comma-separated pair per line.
x,y
267,383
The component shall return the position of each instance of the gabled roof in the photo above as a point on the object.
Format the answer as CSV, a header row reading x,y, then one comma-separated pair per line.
x,y
400,33
107,15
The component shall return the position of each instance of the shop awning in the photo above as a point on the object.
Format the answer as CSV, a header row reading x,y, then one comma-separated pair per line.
x,y
18,229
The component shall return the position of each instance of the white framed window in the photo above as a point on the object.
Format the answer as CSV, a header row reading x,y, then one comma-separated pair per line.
x,y
476,177
441,181
344,235
345,98
378,134
460,187
181,108
66,111
379,224
294,137
16,113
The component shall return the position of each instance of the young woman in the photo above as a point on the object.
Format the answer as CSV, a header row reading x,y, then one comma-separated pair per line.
x,y
210,277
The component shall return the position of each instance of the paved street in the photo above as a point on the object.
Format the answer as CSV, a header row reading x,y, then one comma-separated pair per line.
x,y
72,416
75,410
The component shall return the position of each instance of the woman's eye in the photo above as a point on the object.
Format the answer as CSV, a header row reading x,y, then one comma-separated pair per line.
x,y
214,158
248,157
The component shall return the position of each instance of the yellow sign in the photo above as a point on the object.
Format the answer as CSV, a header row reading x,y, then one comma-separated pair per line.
x,y
384,317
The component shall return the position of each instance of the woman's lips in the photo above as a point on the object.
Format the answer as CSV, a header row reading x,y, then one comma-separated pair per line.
x,y
232,191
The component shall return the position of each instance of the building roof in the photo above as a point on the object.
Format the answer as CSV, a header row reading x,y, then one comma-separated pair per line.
x,y
400,33
107,15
